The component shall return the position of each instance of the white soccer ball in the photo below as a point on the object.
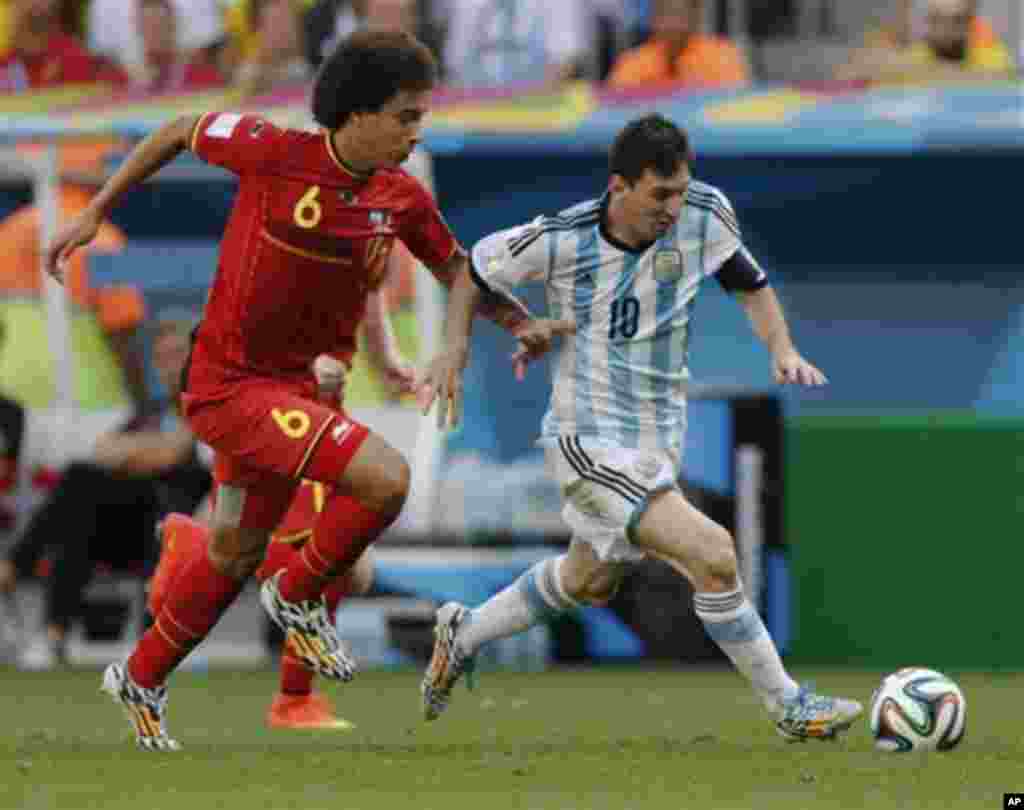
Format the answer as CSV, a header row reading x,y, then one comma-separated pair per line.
x,y
917,709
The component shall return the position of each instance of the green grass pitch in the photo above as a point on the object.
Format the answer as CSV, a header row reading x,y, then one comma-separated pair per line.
x,y
589,739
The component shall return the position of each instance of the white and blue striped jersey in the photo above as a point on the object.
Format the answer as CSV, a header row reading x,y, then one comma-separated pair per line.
x,y
621,376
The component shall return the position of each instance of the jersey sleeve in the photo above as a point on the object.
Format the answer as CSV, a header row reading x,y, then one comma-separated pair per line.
x,y
425,232
239,143
722,236
725,255
512,257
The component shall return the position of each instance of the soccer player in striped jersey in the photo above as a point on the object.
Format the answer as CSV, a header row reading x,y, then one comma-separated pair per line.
x,y
622,273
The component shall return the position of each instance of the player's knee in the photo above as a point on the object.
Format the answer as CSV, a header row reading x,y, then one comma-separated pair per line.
x,y
717,569
390,488
589,586
601,594
236,553
362,576
237,565
575,583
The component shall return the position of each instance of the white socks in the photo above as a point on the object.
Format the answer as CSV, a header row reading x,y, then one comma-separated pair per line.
x,y
536,596
735,626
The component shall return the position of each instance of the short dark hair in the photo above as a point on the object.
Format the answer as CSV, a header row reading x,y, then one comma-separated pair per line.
x,y
650,142
366,70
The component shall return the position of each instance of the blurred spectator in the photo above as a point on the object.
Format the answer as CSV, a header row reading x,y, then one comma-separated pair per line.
x,y
330,21
40,54
677,53
108,365
326,23
275,54
105,510
115,30
164,67
902,30
490,43
958,44
70,13
613,22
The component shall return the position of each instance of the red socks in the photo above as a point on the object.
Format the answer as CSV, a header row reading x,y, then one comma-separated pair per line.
x,y
342,533
199,598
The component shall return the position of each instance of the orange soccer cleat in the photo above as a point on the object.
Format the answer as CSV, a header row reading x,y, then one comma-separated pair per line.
x,y
181,539
312,711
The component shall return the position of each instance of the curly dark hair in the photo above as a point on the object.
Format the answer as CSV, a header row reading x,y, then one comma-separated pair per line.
x,y
367,70
651,142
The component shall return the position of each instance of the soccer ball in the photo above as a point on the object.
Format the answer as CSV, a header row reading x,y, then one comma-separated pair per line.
x,y
917,709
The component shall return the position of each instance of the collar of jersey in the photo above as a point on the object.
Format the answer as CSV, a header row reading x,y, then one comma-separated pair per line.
x,y
340,162
606,234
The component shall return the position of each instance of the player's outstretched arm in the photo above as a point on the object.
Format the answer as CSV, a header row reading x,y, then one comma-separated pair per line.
x,y
505,310
382,345
147,158
443,378
769,324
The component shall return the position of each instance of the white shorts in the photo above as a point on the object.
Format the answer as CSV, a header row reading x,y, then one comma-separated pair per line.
x,y
606,490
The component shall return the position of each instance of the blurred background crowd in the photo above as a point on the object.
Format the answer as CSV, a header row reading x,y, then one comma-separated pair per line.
x,y
255,45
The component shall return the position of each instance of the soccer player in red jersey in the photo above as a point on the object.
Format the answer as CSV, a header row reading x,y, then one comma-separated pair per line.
x,y
182,539
308,237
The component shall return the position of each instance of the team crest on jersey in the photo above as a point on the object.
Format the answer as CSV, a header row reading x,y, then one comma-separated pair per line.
x,y
347,196
380,220
668,265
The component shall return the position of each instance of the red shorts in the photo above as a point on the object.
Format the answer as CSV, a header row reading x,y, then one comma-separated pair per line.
x,y
264,432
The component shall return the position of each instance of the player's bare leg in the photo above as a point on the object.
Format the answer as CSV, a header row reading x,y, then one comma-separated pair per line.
x,y
700,549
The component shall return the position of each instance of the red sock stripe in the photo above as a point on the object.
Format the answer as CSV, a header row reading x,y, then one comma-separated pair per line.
x,y
199,597
174,642
323,566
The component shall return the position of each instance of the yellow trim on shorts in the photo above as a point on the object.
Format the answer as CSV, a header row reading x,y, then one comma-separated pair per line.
x,y
312,446
293,539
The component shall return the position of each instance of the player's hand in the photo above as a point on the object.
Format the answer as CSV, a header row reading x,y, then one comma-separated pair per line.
x,y
77,233
443,381
399,375
331,375
790,368
536,337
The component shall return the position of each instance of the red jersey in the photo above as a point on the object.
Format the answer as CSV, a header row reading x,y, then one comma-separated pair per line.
x,y
64,61
305,242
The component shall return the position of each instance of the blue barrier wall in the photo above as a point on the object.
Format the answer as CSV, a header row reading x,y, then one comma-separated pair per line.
x,y
899,274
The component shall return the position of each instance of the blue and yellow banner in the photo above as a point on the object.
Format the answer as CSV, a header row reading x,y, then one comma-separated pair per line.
x,y
825,119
